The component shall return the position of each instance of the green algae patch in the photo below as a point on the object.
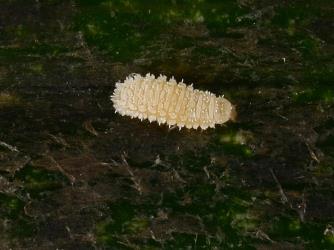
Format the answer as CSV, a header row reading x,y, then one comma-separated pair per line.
x,y
37,181
19,225
313,235
324,170
121,215
8,99
318,86
136,225
37,68
122,222
117,32
10,206
105,235
126,30
286,227
329,235
245,222
317,235
234,142
311,95
237,214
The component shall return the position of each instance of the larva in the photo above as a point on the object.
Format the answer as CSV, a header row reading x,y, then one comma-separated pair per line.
x,y
166,101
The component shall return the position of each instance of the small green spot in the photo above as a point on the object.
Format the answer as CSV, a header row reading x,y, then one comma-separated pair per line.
x,y
20,31
309,46
330,239
324,170
36,68
294,226
103,233
93,29
291,27
136,225
245,222
235,143
10,206
8,99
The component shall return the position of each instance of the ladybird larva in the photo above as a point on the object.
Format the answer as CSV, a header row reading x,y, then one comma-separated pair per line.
x,y
166,101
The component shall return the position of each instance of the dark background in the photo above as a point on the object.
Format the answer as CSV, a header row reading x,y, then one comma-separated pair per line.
x,y
74,175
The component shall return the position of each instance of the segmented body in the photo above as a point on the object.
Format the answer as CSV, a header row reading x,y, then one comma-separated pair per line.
x,y
166,101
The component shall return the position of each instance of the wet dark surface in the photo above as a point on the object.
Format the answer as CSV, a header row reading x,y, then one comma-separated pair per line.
x,y
75,175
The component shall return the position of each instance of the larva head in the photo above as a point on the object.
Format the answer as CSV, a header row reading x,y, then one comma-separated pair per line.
x,y
226,110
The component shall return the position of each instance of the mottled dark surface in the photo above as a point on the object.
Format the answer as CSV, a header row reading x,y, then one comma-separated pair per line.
x,y
75,175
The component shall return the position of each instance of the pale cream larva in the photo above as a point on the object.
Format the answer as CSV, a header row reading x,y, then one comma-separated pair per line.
x,y
166,101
